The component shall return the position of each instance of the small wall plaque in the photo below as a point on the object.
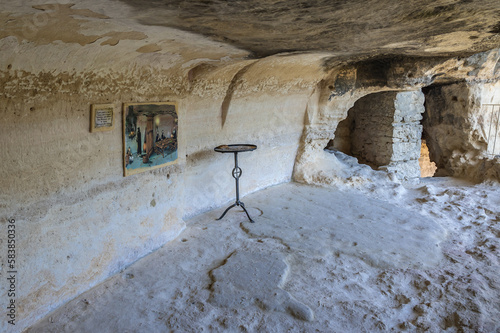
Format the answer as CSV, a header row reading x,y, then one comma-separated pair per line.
x,y
102,117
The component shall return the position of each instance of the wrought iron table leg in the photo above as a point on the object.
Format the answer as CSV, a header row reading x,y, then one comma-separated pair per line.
x,y
243,206
236,176
227,209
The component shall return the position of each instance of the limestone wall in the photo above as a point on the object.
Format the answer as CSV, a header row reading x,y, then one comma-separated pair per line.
x,y
456,129
372,133
407,134
78,219
336,94
384,130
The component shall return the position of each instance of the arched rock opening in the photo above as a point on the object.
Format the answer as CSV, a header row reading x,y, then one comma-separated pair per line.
x,y
455,128
383,130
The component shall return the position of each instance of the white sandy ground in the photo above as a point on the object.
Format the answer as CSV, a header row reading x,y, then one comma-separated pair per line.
x,y
338,258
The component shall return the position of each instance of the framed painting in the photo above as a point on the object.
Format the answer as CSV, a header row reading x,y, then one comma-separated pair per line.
x,y
102,117
149,136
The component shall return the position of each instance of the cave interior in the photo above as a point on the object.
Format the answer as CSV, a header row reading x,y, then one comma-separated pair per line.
x,y
377,124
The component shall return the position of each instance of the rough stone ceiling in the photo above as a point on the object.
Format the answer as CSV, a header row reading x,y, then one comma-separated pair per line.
x,y
181,35
343,27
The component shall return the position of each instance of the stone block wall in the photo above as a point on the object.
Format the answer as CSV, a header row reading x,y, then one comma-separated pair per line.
x,y
407,134
384,130
371,138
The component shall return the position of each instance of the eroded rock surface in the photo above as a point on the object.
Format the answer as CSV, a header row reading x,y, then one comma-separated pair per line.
x,y
170,290
59,58
352,225
248,278
348,27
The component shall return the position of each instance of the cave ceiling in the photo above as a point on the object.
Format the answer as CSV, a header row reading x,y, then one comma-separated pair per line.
x,y
346,28
194,33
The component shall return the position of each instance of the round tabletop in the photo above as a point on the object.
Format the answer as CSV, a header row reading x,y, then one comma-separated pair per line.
x,y
238,148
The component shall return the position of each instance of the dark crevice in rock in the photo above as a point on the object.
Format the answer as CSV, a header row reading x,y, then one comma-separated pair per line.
x,y
253,236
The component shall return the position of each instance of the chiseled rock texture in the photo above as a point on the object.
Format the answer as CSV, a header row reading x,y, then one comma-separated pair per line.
x,y
248,278
337,93
383,130
346,27
457,128
407,134
80,221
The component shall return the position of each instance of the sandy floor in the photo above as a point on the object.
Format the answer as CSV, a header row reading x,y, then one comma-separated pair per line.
x,y
318,259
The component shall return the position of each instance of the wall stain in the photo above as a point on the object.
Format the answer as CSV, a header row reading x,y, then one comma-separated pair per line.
x,y
44,27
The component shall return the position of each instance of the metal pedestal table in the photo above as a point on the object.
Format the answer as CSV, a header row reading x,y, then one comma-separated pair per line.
x,y
235,149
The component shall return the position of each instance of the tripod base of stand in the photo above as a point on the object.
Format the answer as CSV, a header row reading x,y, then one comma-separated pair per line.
x,y
237,203
235,149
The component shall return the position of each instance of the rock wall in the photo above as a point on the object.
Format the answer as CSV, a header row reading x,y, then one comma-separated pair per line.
x,y
345,84
371,138
407,134
446,123
384,130
456,129
78,219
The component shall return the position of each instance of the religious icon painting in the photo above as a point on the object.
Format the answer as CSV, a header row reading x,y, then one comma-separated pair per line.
x,y
149,136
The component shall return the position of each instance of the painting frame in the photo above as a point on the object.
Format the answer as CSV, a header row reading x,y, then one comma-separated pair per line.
x,y
102,117
150,136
